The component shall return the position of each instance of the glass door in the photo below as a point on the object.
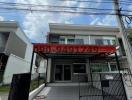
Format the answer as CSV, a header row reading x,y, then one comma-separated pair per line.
x,y
63,73
67,72
59,73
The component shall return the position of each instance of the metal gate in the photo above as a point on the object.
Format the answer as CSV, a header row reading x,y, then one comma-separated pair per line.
x,y
102,86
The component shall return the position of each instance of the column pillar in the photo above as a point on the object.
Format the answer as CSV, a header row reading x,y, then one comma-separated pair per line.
x,y
49,70
109,66
88,70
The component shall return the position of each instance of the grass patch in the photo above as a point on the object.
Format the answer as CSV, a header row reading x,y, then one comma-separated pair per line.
x,y
5,88
34,84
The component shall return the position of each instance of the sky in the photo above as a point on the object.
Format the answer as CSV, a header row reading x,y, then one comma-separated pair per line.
x,y
36,24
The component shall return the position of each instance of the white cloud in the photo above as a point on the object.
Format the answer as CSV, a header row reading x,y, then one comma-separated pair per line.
x,y
36,24
1,18
108,20
96,21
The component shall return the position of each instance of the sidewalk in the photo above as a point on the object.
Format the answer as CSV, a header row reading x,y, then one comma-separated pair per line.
x,y
3,96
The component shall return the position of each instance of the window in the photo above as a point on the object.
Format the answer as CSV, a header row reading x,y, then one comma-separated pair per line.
x,y
79,41
98,67
53,38
70,41
113,67
98,41
113,42
79,68
107,42
62,41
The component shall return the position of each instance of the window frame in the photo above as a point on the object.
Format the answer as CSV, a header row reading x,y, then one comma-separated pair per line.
x,y
80,64
111,64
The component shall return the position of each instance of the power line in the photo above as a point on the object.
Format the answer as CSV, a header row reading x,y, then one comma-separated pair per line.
x,y
125,1
84,1
126,4
47,10
17,5
106,1
88,1
34,5
71,7
62,11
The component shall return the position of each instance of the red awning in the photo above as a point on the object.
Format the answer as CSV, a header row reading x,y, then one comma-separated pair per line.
x,y
73,48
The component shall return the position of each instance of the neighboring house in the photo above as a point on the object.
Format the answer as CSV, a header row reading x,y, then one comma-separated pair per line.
x,y
85,52
15,51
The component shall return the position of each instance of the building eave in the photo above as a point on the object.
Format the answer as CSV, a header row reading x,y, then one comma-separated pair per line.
x,y
57,26
11,24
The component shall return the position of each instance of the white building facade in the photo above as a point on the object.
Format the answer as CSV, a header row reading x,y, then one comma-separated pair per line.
x,y
84,35
91,54
15,51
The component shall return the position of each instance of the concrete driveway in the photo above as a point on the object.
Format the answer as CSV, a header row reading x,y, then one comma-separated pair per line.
x,y
71,92
59,93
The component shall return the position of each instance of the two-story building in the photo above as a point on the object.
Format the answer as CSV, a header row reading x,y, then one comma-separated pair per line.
x,y
63,66
90,54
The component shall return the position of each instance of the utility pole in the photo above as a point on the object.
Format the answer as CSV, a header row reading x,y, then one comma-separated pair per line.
x,y
123,33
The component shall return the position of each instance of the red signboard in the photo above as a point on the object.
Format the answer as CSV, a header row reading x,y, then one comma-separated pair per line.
x,y
72,49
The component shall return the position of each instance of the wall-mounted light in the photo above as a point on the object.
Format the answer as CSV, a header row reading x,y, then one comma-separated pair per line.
x,y
117,47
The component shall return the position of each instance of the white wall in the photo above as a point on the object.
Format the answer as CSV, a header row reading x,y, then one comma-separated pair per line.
x,y
15,65
16,46
29,49
15,30
83,32
43,65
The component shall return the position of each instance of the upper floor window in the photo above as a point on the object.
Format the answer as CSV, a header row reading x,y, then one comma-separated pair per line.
x,y
109,40
105,41
62,40
70,41
79,41
66,40
99,41
113,42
